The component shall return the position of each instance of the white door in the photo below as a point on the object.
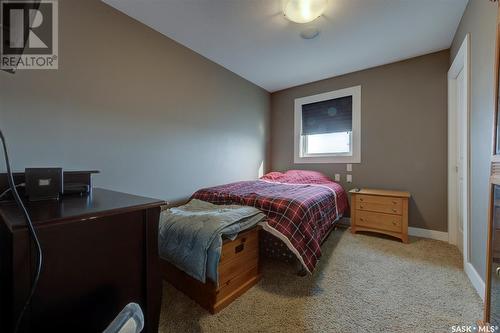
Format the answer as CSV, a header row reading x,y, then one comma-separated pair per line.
x,y
461,168
459,153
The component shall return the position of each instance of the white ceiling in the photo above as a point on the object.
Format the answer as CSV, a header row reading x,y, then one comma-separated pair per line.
x,y
254,40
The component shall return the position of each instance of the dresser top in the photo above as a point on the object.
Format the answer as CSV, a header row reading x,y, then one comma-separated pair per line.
x,y
100,202
383,193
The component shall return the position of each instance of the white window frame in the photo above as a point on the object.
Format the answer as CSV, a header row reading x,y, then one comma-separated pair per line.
x,y
355,155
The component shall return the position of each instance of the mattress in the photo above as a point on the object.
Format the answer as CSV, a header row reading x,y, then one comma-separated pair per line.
x,y
301,208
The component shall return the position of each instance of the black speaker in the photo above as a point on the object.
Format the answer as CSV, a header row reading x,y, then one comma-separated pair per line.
x,y
43,183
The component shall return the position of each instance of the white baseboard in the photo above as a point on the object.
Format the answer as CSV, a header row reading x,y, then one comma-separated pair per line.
x,y
475,279
427,233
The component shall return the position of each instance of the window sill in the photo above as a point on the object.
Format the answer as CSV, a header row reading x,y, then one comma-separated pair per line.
x,y
327,159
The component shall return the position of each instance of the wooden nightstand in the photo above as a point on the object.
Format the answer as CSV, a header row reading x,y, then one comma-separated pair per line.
x,y
380,211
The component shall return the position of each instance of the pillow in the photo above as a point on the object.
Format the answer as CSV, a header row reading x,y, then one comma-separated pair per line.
x,y
297,176
306,176
275,175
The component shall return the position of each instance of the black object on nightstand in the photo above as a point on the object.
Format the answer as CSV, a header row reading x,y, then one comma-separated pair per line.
x,y
44,183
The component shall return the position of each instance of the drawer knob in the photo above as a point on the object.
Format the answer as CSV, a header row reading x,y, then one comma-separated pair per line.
x,y
361,219
395,202
361,199
239,248
361,206
394,210
394,223
497,271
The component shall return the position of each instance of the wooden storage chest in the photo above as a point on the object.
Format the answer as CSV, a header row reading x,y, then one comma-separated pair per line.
x,y
238,271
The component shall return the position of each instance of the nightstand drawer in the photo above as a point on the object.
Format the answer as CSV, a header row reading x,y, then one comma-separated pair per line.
x,y
378,221
380,204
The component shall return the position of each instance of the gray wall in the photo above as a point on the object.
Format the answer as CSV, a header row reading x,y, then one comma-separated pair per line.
x,y
156,118
404,132
480,21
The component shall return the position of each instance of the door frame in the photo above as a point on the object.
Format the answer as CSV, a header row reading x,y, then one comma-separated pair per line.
x,y
494,179
460,63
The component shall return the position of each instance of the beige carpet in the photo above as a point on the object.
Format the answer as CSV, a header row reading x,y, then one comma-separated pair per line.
x,y
362,284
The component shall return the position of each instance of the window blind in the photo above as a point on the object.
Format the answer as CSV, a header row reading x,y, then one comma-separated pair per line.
x,y
331,116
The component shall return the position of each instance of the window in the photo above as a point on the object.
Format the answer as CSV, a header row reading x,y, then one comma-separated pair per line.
x,y
328,127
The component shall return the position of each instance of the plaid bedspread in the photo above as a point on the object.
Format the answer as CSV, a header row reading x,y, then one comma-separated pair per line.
x,y
299,214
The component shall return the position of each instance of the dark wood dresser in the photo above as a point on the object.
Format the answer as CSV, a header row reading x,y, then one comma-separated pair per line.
x,y
100,253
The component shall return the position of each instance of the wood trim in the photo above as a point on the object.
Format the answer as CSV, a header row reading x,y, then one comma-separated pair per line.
x,y
493,180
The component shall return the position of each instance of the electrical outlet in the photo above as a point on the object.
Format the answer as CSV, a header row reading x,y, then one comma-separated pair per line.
x,y
349,178
337,177
349,167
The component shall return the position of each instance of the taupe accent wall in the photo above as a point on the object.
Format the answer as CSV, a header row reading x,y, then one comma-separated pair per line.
x,y
403,132
480,21
156,118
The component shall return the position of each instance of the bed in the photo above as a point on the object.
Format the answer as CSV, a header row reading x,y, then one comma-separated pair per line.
x,y
301,207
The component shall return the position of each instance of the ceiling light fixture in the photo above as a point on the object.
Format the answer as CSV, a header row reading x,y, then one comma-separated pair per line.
x,y
303,11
